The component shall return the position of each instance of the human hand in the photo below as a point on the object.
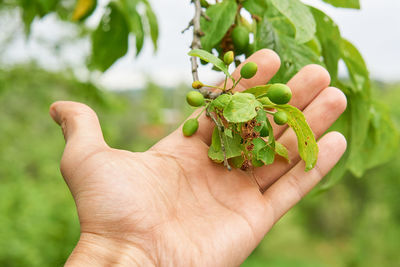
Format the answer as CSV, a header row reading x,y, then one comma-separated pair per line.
x,y
173,206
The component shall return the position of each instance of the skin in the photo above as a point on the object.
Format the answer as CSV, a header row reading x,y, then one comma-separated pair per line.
x,y
171,205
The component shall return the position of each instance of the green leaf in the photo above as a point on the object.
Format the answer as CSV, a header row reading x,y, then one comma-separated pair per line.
x,y
129,9
233,147
208,57
382,139
280,23
356,66
281,150
293,57
342,125
359,108
263,151
271,137
329,37
110,39
46,6
258,90
344,3
261,119
266,35
83,9
242,108
29,12
221,101
300,16
237,162
222,16
153,24
307,145
257,7
228,132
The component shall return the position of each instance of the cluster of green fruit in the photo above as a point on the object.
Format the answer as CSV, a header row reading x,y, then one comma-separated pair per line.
x,y
277,94
243,134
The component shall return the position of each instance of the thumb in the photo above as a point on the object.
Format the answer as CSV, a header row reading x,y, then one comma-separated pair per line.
x,y
82,133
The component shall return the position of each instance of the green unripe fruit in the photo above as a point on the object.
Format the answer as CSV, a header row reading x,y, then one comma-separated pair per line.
x,y
240,38
279,93
190,127
195,99
256,162
248,70
264,131
197,84
280,118
229,57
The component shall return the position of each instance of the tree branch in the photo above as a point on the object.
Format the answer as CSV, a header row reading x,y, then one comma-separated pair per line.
x,y
196,43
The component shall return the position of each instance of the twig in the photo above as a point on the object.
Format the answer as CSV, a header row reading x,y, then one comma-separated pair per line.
x,y
196,43
226,164
188,26
204,15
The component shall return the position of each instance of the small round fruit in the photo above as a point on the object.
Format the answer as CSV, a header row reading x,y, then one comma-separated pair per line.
x,y
240,38
249,70
197,84
229,57
256,162
280,118
195,99
190,127
264,131
279,93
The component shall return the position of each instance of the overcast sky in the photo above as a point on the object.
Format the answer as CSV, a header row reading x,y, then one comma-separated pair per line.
x,y
375,30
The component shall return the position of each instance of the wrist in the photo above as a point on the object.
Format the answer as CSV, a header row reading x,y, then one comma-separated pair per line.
x,y
96,250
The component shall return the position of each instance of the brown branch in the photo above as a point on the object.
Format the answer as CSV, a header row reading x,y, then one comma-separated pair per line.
x,y
196,43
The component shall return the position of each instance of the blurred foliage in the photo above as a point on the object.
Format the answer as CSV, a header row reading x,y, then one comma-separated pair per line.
x,y
38,222
353,224
120,19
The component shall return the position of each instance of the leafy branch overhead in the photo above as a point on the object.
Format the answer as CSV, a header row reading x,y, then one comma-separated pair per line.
x,y
110,39
301,35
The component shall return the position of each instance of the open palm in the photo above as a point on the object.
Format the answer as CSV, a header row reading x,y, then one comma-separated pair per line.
x,y
173,206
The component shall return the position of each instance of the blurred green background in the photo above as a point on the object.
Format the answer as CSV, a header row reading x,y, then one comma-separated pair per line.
x,y
356,223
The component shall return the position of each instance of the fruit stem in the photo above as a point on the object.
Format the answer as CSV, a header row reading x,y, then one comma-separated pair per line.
x,y
269,112
213,86
197,117
237,82
226,80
